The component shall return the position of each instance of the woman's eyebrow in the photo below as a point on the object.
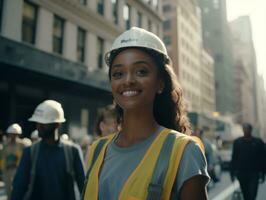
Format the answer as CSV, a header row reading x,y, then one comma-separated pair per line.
x,y
134,63
117,65
141,62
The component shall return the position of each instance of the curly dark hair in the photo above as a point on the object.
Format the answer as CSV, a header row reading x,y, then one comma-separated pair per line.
x,y
169,107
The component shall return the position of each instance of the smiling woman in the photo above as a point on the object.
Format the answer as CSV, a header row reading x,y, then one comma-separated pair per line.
x,y
152,157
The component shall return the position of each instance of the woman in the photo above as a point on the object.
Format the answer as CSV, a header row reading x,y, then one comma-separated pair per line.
x,y
152,157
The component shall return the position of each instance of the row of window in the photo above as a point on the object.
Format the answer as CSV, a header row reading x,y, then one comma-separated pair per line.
x,y
30,20
193,98
189,19
189,78
188,48
189,62
188,33
29,23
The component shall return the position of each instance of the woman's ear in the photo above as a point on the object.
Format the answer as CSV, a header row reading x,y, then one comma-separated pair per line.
x,y
102,126
161,87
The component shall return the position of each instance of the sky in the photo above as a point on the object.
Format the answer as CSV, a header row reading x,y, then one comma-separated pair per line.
x,y
256,9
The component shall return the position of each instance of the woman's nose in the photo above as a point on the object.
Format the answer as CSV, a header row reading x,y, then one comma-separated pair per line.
x,y
130,78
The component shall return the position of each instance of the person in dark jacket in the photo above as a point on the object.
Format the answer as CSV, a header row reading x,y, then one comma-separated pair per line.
x,y
248,161
56,172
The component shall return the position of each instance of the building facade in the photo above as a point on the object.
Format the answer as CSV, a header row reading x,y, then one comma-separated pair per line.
x,y
183,38
54,49
247,80
207,102
217,39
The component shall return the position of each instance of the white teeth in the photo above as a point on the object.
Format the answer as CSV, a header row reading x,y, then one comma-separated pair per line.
x,y
129,93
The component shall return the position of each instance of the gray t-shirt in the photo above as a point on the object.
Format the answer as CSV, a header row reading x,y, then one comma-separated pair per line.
x,y
119,163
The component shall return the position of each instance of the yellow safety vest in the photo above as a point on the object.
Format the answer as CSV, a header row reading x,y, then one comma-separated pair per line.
x,y
135,188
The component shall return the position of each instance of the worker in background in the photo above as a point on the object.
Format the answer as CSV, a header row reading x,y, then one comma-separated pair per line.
x,y
49,168
12,152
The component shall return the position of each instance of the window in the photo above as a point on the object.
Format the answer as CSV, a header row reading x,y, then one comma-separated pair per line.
x,y
216,4
167,24
1,12
83,2
100,52
167,40
29,17
158,29
100,7
166,8
149,25
139,16
156,4
81,42
218,58
127,13
58,33
115,10
206,10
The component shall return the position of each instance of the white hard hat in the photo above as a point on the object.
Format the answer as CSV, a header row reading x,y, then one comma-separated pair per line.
x,y
47,112
34,134
64,137
137,37
14,129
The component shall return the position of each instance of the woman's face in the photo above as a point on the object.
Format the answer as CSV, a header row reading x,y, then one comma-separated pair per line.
x,y
134,79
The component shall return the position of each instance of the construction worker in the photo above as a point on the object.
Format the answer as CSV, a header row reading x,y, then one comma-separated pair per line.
x,y
12,152
49,168
152,157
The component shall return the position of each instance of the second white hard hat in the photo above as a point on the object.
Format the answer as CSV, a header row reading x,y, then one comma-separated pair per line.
x,y
47,112
34,134
137,37
14,129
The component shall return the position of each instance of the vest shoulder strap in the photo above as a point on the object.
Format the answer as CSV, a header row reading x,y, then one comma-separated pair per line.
x,y
155,188
34,151
96,153
68,152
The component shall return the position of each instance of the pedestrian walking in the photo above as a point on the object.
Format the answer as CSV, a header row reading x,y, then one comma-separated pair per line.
x,y
11,154
49,168
248,161
152,157
107,123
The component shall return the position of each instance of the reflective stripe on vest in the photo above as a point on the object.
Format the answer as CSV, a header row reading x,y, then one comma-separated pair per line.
x,y
136,186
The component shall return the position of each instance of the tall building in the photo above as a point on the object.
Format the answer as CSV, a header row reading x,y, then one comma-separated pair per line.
x,y
54,49
248,86
207,102
183,38
217,39
261,100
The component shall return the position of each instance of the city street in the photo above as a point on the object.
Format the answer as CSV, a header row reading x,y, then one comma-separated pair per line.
x,y
224,189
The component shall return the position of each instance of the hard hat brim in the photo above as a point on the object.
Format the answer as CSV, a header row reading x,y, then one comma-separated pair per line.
x,y
42,121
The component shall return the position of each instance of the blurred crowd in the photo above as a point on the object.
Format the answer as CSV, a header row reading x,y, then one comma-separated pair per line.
x,y
22,157
48,117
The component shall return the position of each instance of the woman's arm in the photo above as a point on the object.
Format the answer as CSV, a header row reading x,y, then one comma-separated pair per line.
x,y
194,188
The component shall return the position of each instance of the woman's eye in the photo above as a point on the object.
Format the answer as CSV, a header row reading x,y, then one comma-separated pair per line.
x,y
142,72
116,75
